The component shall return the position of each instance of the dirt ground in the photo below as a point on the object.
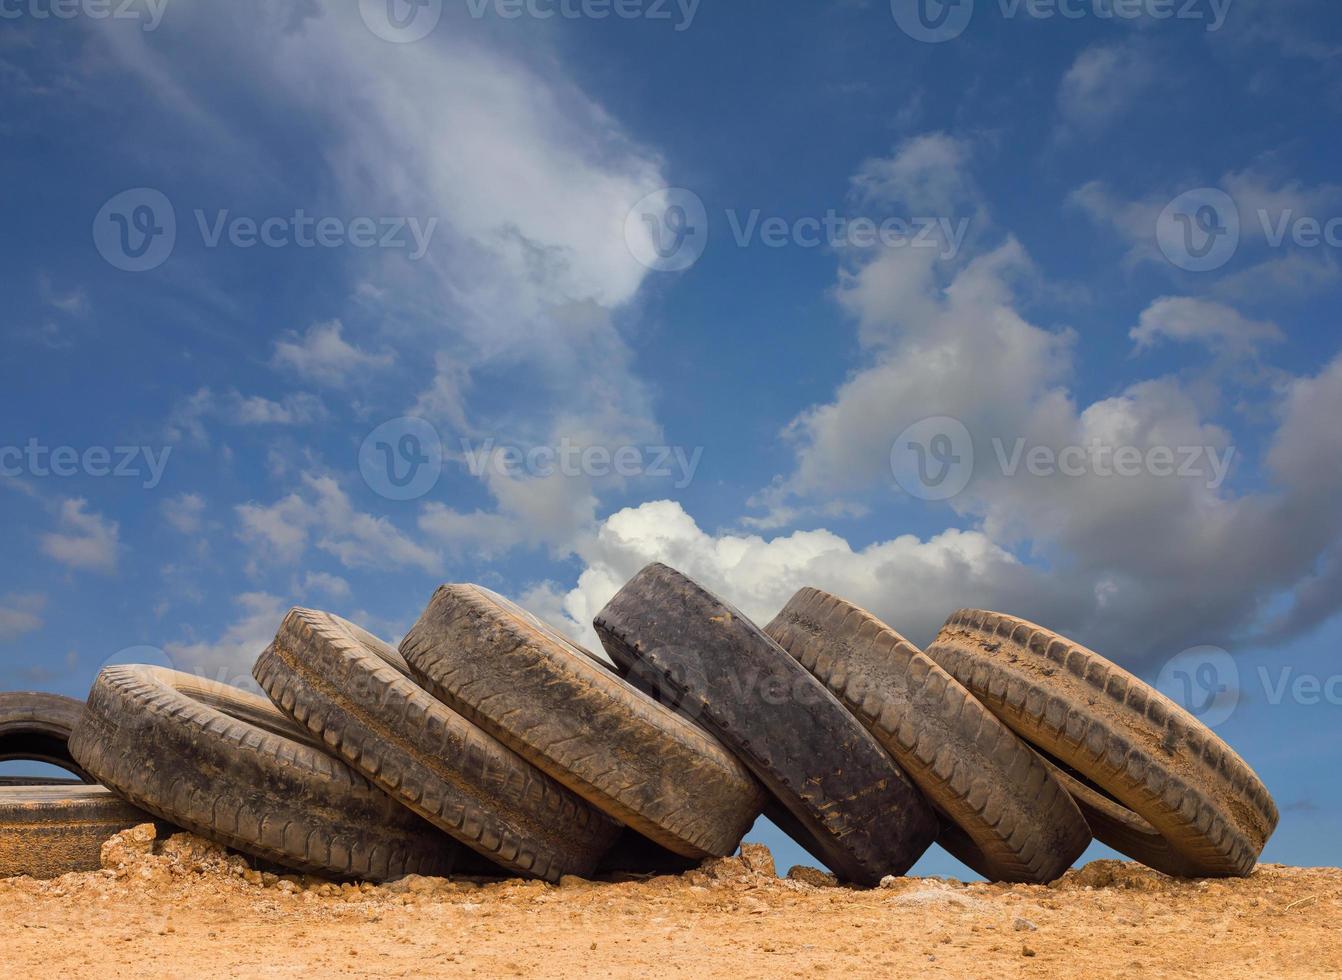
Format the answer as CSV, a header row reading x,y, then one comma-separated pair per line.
x,y
184,907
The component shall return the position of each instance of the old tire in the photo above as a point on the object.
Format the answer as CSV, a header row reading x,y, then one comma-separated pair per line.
x,y
225,764
49,830
858,812
353,691
572,716
36,726
1114,824
1128,740
1018,823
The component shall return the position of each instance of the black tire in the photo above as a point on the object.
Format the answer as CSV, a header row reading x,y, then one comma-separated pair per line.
x,y
36,727
1122,736
50,830
859,813
353,691
572,716
1016,821
226,765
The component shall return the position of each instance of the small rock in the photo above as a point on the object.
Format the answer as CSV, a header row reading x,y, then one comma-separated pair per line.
x,y
812,876
418,885
889,881
758,858
1027,951
1024,925
129,846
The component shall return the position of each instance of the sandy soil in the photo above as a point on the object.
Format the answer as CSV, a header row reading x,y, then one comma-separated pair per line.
x,y
184,907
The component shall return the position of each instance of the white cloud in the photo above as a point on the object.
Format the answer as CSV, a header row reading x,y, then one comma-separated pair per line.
x,y
911,583
20,613
229,658
184,512
86,540
188,417
1103,82
1137,564
322,514
928,172
1185,319
326,584
323,355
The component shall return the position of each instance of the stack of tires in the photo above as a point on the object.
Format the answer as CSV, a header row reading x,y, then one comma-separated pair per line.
x,y
491,744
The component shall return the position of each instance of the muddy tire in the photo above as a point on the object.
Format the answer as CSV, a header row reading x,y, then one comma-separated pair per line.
x,y
1127,740
856,810
572,716
226,765
1016,821
354,692
49,830
36,727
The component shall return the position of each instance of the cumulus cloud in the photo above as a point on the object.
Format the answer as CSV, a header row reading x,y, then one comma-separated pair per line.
x,y
1185,319
321,514
1103,82
1165,556
913,584
323,355
229,657
929,171
86,540
188,418
184,512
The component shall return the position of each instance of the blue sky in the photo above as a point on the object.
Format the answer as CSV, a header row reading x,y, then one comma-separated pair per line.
x,y
1052,235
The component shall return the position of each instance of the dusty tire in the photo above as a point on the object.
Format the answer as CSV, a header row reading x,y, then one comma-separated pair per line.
x,y
1130,741
857,812
36,727
572,716
226,765
1114,824
1018,823
49,830
353,691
